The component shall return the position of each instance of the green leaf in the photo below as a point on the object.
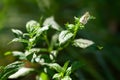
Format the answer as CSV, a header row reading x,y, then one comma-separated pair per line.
x,y
70,26
32,25
41,30
64,36
10,69
17,32
68,71
92,17
43,76
31,56
19,40
50,21
66,65
82,43
55,66
21,72
54,41
66,78
7,53
73,67
57,76
19,54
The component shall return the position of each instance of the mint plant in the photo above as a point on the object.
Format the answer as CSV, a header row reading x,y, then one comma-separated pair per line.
x,y
42,50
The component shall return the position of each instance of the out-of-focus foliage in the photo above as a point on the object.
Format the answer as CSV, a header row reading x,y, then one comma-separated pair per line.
x,y
104,31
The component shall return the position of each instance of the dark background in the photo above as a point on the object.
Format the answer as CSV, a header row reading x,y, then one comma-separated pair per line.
x,y
104,31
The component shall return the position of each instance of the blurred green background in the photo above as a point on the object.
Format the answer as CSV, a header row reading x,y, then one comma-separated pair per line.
x,y
104,31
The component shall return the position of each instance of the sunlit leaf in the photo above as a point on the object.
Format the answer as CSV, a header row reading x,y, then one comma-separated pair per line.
x,y
19,40
32,25
43,76
19,54
21,72
82,43
17,32
50,21
64,36
66,78
55,66
57,76
40,30
66,65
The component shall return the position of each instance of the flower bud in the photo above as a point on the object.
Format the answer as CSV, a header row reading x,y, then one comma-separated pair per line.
x,y
85,18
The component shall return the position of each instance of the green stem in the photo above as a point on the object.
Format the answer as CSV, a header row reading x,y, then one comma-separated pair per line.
x,y
76,29
46,39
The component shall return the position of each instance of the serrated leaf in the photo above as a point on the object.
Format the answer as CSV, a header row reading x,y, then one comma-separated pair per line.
x,y
64,36
66,78
50,21
10,69
32,25
17,32
55,66
82,43
21,72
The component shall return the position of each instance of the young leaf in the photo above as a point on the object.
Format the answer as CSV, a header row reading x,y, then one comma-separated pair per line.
x,y
32,25
85,18
10,69
66,78
17,32
57,76
50,21
65,65
82,43
70,26
68,71
19,40
73,67
40,30
43,76
64,36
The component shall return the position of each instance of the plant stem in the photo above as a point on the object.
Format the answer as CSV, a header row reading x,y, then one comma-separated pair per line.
x,y
76,29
